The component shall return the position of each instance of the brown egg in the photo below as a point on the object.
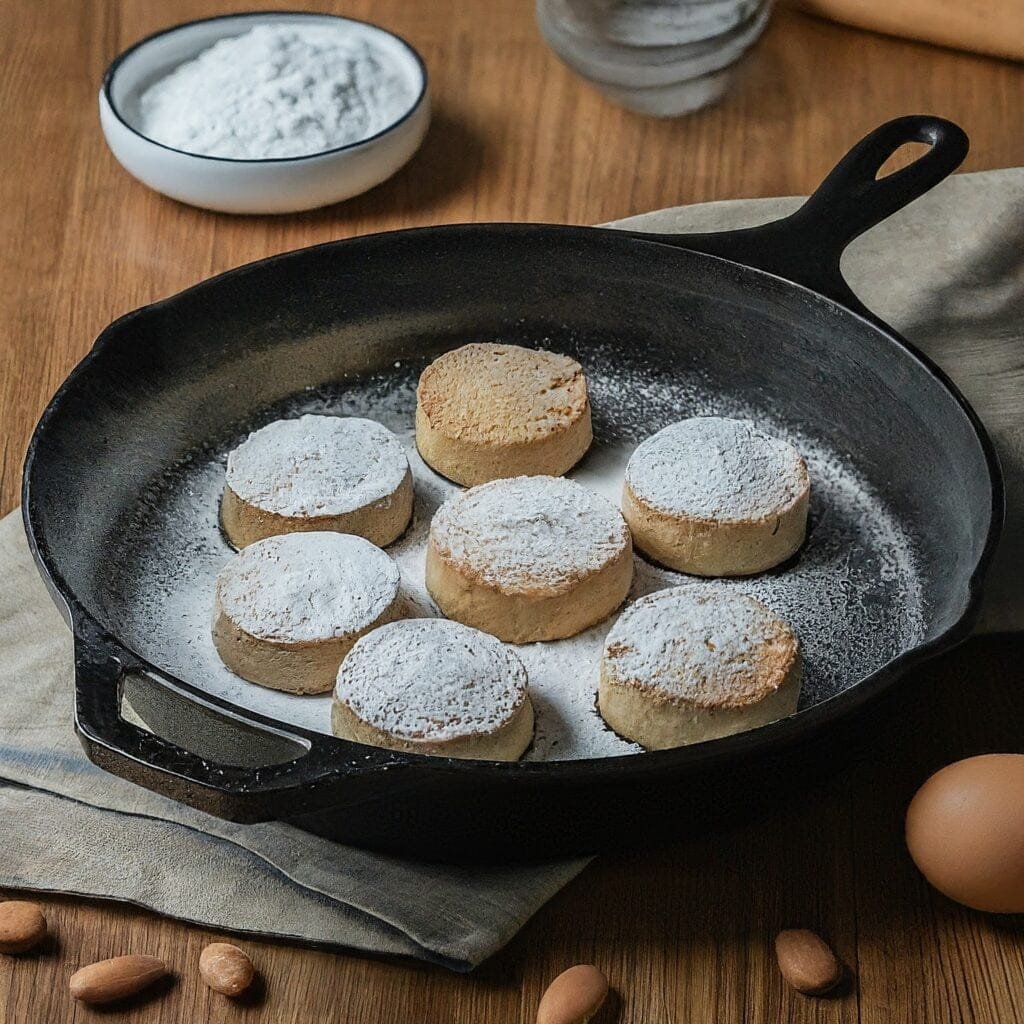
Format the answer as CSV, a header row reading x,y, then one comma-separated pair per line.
x,y
965,831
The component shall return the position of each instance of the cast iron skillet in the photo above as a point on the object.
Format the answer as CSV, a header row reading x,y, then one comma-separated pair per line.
x,y
763,311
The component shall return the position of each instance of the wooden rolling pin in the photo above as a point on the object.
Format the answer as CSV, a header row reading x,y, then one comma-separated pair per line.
x,y
994,27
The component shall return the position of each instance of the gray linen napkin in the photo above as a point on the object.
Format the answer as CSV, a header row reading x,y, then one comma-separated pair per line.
x,y
948,272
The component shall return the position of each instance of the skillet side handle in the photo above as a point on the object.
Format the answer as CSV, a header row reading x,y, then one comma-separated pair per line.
x,y
806,246
315,771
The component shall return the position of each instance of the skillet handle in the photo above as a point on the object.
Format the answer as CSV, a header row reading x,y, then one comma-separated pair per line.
x,y
307,771
806,246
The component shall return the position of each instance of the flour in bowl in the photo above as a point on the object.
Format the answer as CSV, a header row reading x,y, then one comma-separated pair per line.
x,y
279,90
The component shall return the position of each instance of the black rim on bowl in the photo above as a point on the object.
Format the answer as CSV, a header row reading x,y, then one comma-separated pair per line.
x,y
108,79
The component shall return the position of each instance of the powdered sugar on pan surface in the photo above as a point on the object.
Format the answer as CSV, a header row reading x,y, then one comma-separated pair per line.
x,y
851,594
307,586
432,679
530,531
317,466
708,467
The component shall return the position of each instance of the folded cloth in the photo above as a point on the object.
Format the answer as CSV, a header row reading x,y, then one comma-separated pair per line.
x,y
947,272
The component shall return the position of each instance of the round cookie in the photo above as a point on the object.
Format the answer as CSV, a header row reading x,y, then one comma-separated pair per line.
x,y
314,473
432,686
485,411
690,664
288,609
716,497
531,558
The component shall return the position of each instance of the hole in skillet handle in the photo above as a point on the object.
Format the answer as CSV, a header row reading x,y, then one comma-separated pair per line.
x,y
853,198
239,768
902,157
806,246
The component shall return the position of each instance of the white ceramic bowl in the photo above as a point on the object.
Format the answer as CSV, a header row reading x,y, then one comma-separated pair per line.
x,y
282,185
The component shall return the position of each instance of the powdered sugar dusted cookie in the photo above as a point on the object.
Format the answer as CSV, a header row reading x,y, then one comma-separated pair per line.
x,y
716,497
488,411
432,686
531,558
694,663
315,473
288,609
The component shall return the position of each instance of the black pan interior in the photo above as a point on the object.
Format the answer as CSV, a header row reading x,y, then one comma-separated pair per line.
x,y
663,333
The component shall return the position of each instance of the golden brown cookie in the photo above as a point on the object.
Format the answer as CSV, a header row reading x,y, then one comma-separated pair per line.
x,y
694,663
716,497
316,473
485,411
432,686
531,558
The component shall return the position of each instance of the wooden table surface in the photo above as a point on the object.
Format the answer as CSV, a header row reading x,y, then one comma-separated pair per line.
x,y
684,933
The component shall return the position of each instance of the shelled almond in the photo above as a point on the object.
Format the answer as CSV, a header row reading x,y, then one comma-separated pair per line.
x,y
807,962
22,926
573,997
226,968
118,978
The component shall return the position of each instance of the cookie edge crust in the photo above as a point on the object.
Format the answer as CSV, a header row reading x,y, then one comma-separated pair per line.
x,y
506,743
300,667
381,522
525,616
657,722
471,463
709,547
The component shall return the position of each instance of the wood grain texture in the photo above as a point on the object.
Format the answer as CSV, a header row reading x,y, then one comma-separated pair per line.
x,y
684,934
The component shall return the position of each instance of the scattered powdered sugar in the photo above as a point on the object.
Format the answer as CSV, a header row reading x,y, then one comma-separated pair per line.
x,y
278,90
318,466
530,531
713,468
432,679
852,594
307,586
699,644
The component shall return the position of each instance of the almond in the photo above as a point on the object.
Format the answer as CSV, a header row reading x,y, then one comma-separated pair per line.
x,y
226,968
807,962
117,978
22,926
573,997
